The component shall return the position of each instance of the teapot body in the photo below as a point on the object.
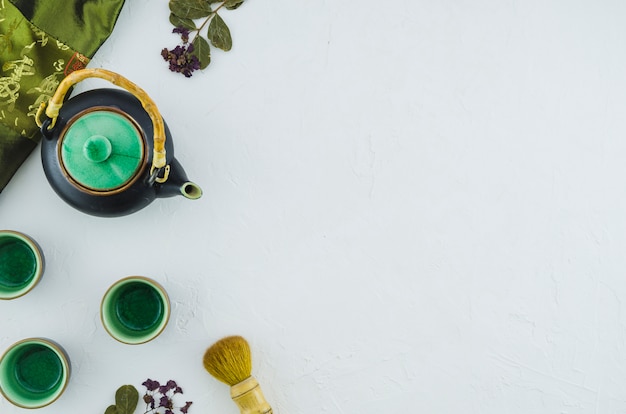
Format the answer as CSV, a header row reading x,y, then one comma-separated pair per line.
x,y
108,152
128,198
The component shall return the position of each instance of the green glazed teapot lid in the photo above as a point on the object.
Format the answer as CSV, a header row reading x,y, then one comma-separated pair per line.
x,y
102,150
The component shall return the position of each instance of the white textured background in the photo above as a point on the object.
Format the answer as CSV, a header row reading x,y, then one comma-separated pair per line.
x,y
409,206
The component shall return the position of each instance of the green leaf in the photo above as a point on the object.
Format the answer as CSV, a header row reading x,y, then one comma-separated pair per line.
x,y
112,409
232,4
178,21
219,34
126,398
202,50
190,9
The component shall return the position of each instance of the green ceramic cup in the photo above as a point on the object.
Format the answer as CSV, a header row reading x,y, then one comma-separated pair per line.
x,y
21,264
135,310
34,373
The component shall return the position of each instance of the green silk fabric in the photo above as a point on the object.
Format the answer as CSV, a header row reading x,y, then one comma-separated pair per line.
x,y
41,42
83,25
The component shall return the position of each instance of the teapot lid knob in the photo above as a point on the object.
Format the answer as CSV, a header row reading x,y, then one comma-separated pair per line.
x,y
102,150
97,148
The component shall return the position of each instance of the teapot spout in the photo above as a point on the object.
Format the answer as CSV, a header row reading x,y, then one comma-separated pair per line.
x,y
178,184
191,190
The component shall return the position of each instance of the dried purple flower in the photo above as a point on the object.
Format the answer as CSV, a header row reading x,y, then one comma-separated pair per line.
x,y
186,407
171,385
150,384
183,32
159,398
181,59
166,402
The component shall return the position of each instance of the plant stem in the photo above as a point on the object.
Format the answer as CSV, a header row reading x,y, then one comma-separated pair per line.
x,y
209,17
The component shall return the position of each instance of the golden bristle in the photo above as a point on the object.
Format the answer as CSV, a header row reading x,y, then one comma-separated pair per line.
x,y
229,360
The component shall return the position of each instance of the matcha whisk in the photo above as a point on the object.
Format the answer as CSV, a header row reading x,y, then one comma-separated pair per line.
x,y
229,361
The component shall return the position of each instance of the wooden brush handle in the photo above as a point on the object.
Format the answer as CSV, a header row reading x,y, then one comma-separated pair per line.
x,y
248,396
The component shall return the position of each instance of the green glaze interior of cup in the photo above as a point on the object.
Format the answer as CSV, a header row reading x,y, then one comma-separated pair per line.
x,y
20,264
33,373
135,310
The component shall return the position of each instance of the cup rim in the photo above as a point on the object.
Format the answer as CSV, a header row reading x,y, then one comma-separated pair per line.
x,y
166,303
65,362
36,249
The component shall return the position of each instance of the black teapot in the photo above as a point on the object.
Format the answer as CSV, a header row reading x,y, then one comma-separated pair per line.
x,y
108,152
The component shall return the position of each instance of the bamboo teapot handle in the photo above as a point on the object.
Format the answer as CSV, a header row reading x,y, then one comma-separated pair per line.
x,y
56,102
